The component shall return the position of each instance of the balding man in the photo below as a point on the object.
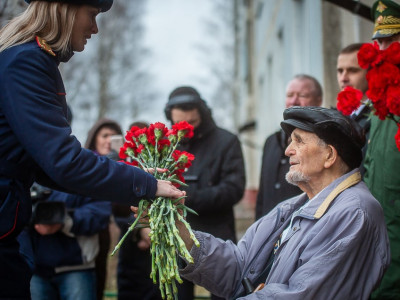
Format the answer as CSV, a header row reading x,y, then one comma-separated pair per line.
x,y
302,90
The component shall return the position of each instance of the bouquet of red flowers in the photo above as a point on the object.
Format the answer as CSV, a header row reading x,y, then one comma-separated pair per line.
x,y
155,148
383,78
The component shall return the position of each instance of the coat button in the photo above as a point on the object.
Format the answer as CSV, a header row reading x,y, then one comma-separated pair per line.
x,y
283,161
277,186
294,228
252,271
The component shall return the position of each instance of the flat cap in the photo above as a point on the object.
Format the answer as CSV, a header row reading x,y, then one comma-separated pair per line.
x,y
386,14
330,125
104,5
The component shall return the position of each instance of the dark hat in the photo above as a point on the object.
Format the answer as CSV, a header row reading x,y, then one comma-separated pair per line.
x,y
331,126
184,95
186,98
104,5
386,14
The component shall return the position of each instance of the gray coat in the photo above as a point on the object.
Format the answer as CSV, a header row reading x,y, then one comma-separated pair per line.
x,y
342,255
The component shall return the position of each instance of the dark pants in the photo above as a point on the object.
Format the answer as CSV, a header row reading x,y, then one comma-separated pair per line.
x,y
134,267
15,273
101,262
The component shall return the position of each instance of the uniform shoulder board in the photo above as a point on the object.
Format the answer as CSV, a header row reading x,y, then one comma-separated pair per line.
x,y
43,45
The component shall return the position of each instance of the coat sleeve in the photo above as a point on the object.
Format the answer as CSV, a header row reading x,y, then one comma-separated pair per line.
x,y
218,264
229,185
33,104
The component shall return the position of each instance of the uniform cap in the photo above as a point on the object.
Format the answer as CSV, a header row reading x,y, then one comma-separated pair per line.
x,y
386,14
104,5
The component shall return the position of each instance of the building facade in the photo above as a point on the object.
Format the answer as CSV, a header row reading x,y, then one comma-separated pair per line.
x,y
275,40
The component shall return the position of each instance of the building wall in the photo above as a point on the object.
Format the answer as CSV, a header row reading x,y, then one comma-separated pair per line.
x,y
277,39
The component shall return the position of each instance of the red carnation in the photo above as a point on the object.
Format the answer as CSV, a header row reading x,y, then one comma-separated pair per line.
x,y
349,100
376,84
392,53
162,143
380,107
184,129
184,158
388,73
369,55
139,149
138,132
122,152
158,130
132,133
393,99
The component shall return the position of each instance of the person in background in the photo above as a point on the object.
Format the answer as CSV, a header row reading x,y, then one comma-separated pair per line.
x,y
349,73
328,243
382,160
134,258
302,90
99,141
37,143
216,178
66,252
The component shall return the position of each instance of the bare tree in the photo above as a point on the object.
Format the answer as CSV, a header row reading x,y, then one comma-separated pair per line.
x,y
111,78
9,9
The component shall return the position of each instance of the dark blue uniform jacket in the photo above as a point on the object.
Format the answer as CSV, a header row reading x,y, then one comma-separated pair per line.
x,y
36,143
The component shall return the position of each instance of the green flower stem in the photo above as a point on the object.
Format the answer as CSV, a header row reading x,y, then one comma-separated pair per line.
x,y
156,157
127,232
192,236
161,287
172,151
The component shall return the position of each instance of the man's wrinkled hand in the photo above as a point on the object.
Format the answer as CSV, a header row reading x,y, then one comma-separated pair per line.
x,y
144,242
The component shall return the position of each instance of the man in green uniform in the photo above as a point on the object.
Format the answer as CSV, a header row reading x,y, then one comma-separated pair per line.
x,y
382,160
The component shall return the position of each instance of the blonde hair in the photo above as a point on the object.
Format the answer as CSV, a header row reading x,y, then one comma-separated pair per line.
x,y
52,21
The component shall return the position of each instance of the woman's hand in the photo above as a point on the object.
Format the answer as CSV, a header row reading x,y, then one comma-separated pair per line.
x,y
152,170
166,189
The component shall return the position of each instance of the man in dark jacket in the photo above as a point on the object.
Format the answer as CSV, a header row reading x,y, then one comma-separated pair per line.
x,y
302,90
217,178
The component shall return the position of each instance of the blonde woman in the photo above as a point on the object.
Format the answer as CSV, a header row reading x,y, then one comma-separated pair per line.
x,y
35,138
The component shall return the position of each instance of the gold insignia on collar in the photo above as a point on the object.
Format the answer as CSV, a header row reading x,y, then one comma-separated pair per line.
x,y
381,7
43,45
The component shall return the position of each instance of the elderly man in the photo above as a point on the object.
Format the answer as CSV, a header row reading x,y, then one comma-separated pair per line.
x,y
328,243
302,90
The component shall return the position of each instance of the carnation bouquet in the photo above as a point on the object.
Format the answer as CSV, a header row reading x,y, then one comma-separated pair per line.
x,y
383,78
155,148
